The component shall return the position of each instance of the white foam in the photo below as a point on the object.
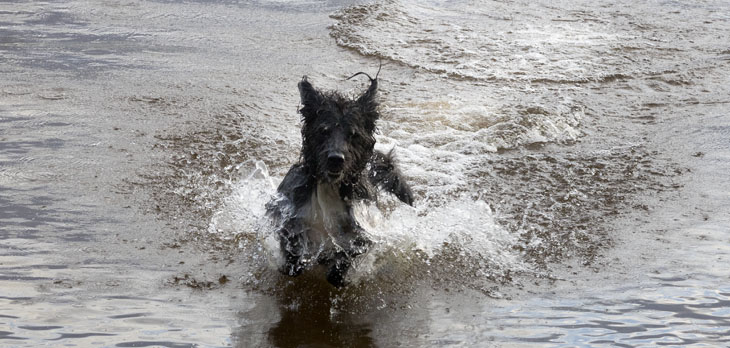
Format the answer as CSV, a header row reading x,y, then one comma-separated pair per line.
x,y
439,140
480,41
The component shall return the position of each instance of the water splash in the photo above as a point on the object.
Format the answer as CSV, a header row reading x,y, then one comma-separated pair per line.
x,y
463,230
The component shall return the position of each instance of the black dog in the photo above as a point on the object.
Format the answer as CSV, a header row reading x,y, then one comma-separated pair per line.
x,y
338,169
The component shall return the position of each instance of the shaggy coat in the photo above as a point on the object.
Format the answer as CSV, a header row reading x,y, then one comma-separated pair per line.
x,y
337,170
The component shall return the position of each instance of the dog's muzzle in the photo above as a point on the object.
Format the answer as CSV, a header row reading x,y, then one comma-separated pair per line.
x,y
335,164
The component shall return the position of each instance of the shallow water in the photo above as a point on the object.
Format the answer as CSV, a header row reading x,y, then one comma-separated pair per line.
x,y
569,161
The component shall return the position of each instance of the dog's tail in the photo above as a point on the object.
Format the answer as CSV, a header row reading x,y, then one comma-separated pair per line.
x,y
384,174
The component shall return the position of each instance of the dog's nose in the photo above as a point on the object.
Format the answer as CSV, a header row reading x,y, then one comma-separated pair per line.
x,y
335,161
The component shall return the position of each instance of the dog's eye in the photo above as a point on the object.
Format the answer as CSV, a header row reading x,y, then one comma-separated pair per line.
x,y
352,133
324,129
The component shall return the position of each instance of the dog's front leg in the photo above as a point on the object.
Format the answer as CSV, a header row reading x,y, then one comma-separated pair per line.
x,y
293,246
355,243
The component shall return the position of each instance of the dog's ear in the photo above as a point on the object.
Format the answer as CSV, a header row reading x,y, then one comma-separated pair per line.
x,y
311,98
369,95
368,101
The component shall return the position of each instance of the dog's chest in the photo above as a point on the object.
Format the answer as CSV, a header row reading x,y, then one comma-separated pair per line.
x,y
327,211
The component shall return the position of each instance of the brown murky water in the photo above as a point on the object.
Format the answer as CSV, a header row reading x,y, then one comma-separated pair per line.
x,y
569,159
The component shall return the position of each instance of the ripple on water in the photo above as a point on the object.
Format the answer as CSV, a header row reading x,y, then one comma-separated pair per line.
x,y
684,315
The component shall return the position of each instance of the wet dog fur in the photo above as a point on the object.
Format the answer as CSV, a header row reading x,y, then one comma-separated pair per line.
x,y
338,168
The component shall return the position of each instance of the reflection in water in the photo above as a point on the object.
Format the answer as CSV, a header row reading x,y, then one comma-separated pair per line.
x,y
313,314
309,317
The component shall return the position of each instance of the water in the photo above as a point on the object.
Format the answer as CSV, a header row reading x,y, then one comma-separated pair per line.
x,y
569,161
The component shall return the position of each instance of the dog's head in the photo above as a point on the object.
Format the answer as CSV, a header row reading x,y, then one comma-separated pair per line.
x,y
337,131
